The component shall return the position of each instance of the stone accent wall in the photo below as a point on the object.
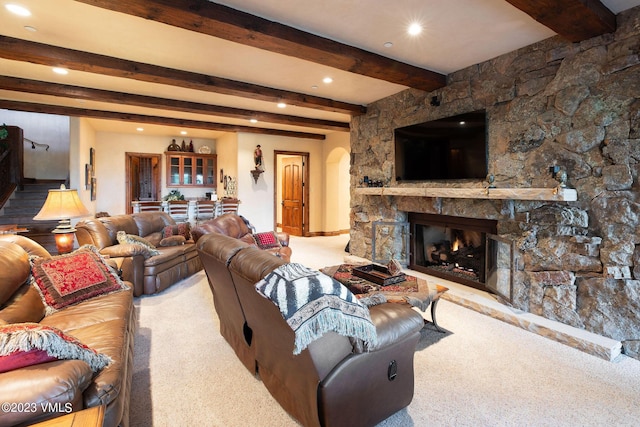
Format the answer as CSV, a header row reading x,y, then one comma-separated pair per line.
x,y
555,103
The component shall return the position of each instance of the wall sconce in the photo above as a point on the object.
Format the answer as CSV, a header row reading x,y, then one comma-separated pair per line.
x,y
62,204
256,174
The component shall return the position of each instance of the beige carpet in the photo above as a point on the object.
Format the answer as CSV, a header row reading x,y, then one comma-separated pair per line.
x,y
482,372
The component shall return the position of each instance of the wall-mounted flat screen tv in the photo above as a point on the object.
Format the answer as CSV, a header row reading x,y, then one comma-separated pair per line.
x,y
444,149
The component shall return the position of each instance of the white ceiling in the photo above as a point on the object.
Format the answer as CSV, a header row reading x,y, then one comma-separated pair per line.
x,y
457,33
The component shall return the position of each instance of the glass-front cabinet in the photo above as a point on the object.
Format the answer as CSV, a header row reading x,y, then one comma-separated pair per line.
x,y
190,169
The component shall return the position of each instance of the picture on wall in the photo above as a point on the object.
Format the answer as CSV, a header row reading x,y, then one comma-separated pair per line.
x,y
88,174
93,189
92,158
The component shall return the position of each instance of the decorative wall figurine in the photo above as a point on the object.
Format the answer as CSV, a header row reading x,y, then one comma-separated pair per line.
x,y
257,157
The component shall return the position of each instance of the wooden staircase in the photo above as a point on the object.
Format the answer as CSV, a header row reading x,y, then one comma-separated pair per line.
x,y
24,205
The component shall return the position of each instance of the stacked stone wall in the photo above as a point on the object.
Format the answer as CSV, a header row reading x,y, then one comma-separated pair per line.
x,y
554,103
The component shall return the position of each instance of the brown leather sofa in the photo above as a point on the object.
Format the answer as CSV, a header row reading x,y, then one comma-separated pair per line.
x,y
330,383
148,273
105,323
233,225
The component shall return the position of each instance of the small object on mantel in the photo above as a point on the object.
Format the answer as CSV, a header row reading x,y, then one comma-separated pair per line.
x,y
561,177
491,181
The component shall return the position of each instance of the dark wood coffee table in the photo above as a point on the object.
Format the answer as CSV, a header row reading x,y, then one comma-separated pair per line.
x,y
414,291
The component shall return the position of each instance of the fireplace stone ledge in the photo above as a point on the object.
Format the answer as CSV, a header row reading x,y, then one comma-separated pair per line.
x,y
485,303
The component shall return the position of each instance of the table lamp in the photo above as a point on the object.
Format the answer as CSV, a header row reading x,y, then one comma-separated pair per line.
x,y
62,204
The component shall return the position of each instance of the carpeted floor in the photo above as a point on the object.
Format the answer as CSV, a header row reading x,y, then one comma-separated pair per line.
x,y
482,372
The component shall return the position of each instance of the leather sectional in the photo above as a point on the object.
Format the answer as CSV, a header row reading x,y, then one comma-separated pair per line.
x,y
330,383
233,225
148,273
105,323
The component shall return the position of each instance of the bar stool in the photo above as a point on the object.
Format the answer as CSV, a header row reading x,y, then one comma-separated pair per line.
x,y
205,210
149,206
178,210
229,205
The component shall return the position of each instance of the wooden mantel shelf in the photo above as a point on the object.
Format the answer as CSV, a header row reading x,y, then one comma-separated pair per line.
x,y
544,194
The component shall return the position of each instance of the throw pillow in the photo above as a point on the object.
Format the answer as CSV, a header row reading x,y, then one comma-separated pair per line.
x,y
267,240
27,344
69,279
180,229
132,239
172,241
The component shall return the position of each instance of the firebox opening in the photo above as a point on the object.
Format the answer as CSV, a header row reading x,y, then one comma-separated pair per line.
x,y
454,251
452,248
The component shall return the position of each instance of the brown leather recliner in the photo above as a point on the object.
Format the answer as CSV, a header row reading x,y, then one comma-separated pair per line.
x,y
149,274
106,323
233,225
330,383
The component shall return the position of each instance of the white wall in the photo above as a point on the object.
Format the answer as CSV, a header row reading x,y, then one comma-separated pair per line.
x,y
258,199
337,194
227,149
82,137
110,166
44,129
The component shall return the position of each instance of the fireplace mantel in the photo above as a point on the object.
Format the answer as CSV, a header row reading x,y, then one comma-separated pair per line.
x,y
557,194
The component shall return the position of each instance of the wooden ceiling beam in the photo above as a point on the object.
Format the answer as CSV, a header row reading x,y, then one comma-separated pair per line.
x,y
154,120
223,22
54,56
76,92
575,20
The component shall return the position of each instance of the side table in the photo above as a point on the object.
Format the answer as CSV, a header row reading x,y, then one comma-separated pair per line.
x,y
415,291
90,417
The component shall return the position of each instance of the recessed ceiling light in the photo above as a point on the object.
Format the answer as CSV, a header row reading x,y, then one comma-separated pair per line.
x,y
414,29
327,80
314,87
18,10
462,123
183,132
282,105
60,71
30,28
139,129
388,44
253,120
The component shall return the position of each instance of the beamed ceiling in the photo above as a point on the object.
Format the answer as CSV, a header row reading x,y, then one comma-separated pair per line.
x,y
205,67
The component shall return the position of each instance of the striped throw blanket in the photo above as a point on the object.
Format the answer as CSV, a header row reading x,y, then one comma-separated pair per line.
x,y
313,303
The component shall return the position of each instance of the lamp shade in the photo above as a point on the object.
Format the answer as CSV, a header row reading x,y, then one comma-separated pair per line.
x,y
62,204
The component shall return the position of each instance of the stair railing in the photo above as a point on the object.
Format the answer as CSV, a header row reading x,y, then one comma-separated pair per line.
x,y
36,144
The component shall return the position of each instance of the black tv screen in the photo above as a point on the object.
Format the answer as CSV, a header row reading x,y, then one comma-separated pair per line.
x,y
444,149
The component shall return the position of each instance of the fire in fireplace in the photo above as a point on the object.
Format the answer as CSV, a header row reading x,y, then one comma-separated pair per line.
x,y
454,248
456,251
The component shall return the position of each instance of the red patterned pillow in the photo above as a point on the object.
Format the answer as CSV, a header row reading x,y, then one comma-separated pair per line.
x,y
72,278
267,240
26,344
180,229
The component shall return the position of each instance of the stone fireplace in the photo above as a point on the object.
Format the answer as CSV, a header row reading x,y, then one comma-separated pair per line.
x,y
553,105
